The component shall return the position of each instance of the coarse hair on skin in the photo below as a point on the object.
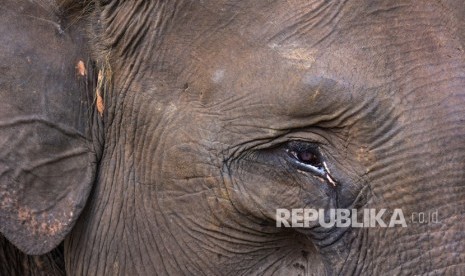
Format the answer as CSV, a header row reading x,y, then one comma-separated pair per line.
x,y
75,9
145,22
124,34
113,47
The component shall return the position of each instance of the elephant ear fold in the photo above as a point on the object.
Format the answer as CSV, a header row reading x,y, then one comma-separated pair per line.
x,y
47,160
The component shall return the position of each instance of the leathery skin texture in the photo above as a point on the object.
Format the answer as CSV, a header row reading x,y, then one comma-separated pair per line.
x,y
162,137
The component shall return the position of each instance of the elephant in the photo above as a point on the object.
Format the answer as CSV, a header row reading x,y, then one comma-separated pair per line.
x,y
153,137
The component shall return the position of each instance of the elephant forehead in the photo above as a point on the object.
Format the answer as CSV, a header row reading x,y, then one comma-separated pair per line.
x,y
286,80
304,59
276,50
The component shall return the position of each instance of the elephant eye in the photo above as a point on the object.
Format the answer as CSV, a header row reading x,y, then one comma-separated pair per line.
x,y
306,156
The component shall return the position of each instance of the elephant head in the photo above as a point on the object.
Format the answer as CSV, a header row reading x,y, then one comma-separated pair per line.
x,y
161,137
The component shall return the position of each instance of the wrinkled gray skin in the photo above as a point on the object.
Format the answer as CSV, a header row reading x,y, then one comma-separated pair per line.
x,y
209,106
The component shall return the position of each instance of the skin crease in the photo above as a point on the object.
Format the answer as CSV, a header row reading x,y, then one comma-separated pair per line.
x,y
203,98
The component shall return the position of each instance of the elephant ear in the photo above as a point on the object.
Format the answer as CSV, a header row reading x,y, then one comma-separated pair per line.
x,y
47,160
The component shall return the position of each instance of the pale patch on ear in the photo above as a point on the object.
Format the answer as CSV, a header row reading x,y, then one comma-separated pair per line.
x,y
81,69
300,56
52,226
98,93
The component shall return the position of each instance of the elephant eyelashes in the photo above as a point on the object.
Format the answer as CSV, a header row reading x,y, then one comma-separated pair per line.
x,y
307,157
